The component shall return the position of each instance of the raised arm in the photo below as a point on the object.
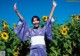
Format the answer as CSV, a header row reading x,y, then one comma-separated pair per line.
x,y
48,26
22,30
50,16
16,10
53,8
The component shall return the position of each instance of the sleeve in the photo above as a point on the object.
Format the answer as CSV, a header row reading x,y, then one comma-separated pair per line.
x,y
22,31
47,24
48,31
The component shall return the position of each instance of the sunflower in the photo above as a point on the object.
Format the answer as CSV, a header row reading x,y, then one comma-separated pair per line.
x,y
15,25
64,27
19,48
64,32
15,53
4,29
4,35
45,18
5,25
78,17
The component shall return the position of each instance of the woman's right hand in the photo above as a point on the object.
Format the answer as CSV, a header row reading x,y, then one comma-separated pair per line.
x,y
15,8
54,4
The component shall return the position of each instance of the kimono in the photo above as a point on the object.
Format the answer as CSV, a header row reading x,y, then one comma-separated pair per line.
x,y
38,47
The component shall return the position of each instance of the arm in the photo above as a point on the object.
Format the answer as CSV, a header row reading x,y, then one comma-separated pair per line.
x,y
48,32
22,30
48,26
53,8
50,16
17,12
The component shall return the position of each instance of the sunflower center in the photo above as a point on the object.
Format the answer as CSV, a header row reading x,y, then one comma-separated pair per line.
x,y
5,23
79,17
4,35
44,17
64,26
63,31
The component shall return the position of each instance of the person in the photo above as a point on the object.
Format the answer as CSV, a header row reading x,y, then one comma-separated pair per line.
x,y
36,34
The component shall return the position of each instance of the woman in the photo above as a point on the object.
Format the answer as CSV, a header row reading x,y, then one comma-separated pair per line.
x,y
36,34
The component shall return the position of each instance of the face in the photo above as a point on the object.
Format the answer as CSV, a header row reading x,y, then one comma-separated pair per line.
x,y
35,22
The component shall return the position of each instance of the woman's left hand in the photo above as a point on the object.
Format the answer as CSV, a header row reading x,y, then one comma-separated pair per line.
x,y
15,8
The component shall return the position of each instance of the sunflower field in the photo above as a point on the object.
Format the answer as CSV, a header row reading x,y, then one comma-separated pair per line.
x,y
66,39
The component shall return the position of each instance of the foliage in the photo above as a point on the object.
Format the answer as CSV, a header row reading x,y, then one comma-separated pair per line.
x,y
66,39
10,43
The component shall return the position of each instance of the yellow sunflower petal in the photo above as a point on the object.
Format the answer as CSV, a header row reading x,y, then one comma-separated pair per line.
x,y
64,32
5,25
15,25
45,18
15,53
64,27
4,35
78,17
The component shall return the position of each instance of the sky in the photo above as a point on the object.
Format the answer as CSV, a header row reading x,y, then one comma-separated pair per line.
x,y
29,8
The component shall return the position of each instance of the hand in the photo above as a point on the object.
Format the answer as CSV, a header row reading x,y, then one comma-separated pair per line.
x,y
54,4
15,8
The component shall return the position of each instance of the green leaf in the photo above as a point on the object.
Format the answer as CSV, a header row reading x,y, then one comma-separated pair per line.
x,y
55,42
52,48
2,47
65,55
65,45
9,50
69,51
67,37
74,44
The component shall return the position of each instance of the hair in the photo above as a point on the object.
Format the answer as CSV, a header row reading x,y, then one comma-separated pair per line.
x,y
35,17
